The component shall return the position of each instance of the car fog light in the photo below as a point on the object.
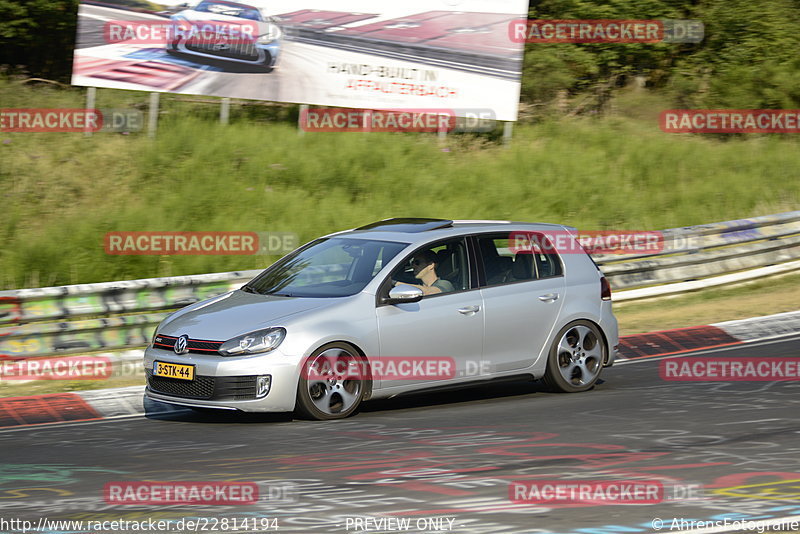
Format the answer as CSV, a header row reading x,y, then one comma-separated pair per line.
x,y
262,386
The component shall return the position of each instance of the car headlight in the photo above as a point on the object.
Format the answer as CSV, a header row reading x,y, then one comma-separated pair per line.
x,y
273,34
253,342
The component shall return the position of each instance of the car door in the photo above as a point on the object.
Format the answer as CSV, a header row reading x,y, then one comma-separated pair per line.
x,y
447,325
523,290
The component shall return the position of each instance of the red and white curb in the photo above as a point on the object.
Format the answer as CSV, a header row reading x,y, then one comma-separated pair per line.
x,y
728,333
93,405
105,404
763,328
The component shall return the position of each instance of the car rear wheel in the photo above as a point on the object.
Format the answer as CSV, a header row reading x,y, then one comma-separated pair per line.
x,y
332,383
576,358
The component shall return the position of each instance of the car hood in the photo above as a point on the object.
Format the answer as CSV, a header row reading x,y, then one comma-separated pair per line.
x,y
200,16
235,313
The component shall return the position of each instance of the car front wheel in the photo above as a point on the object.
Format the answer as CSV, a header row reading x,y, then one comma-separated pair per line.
x,y
576,358
266,65
332,382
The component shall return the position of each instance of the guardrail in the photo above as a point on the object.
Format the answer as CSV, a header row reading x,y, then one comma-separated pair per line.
x,y
696,252
118,315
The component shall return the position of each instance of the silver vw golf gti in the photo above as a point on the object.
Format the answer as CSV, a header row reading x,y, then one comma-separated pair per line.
x,y
389,308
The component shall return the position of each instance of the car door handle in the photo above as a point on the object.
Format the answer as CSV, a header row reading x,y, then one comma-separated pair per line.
x,y
550,297
469,310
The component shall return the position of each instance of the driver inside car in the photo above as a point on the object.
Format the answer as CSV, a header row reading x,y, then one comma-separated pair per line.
x,y
424,265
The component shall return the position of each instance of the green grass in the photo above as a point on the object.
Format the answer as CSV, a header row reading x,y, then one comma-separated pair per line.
x,y
767,296
63,192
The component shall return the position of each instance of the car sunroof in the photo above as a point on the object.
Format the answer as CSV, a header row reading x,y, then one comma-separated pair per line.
x,y
408,225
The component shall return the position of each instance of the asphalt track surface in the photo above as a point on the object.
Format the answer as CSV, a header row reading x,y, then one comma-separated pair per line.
x,y
718,448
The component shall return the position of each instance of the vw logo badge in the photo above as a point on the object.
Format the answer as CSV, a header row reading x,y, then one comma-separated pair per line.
x,y
181,345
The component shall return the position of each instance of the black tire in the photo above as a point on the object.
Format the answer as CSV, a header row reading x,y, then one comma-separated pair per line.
x,y
575,358
332,383
266,65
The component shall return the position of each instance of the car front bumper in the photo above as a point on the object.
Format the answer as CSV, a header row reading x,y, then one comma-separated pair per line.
x,y
216,376
242,53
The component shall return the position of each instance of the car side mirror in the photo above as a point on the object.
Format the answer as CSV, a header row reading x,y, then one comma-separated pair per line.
x,y
403,293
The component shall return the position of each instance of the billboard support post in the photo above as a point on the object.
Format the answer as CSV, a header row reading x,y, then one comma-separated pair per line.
x,y
303,113
91,94
225,110
152,122
508,132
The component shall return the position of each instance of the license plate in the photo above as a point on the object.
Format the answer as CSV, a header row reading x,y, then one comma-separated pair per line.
x,y
173,370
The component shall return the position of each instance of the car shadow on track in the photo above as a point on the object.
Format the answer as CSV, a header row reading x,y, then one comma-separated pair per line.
x,y
496,390
159,411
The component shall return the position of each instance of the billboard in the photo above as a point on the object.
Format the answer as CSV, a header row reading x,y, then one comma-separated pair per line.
x,y
420,54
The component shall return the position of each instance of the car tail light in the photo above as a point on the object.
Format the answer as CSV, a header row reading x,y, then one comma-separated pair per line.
x,y
605,289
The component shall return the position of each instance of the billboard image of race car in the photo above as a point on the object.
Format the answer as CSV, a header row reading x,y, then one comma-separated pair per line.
x,y
228,31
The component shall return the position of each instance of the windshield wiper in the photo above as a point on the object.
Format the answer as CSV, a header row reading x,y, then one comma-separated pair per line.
x,y
250,289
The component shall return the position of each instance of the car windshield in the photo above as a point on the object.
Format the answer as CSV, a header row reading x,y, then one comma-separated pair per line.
x,y
332,267
230,9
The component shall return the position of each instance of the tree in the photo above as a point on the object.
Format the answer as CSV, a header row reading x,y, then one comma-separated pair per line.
x,y
38,36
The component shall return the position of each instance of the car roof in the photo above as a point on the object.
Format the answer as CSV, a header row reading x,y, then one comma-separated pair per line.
x,y
418,231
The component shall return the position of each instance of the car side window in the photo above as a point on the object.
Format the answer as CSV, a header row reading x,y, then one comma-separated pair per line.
x,y
505,261
443,266
546,262
498,259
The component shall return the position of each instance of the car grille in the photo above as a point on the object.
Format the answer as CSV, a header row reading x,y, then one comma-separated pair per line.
x,y
198,346
245,51
216,388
